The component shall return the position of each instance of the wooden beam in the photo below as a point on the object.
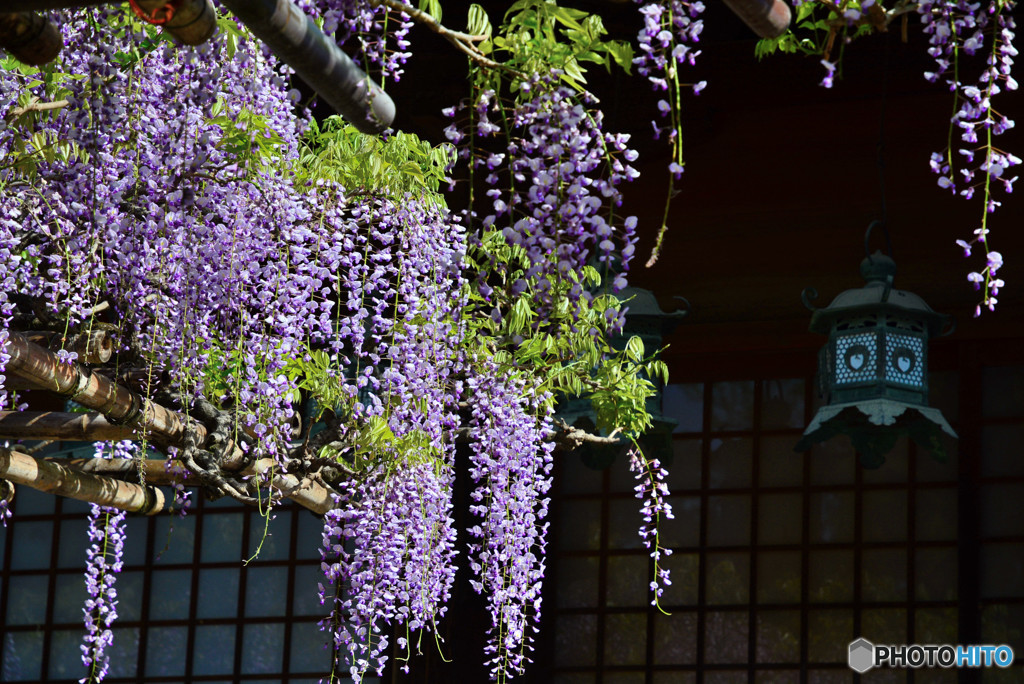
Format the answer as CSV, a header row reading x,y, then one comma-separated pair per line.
x,y
155,469
55,478
93,390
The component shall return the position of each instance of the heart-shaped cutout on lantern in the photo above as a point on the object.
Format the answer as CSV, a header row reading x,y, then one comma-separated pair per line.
x,y
904,360
856,356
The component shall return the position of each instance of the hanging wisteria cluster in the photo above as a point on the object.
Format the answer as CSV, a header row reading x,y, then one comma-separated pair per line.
x,y
959,32
653,492
103,563
551,191
104,554
667,42
388,559
376,32
511,466
969,28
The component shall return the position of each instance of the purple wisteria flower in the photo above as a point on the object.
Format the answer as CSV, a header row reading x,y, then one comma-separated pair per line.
x,y
652,491
667,41
958,28
104,561
380,33
5,510
511,466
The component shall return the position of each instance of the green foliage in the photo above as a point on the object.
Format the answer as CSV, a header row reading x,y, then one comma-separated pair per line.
x,y
563,344
248,137
315,372
817,25
41,86
399,164
431,7
540,35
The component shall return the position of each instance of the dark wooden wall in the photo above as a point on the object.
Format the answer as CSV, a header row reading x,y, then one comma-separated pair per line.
x,y
781,181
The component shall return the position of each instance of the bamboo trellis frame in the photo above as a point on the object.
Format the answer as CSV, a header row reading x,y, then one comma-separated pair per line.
x,y
120,413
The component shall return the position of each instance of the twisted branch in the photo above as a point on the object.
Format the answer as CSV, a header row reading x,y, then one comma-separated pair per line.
x,y
464,42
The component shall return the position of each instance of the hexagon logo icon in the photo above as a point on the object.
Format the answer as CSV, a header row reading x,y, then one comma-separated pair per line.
x,y
862,655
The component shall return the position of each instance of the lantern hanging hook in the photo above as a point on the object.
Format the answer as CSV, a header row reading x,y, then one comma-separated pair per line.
x,y
807,296
867,238
868,261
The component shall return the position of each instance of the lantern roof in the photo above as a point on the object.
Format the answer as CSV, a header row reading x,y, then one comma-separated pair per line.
x,y
877,296
642,303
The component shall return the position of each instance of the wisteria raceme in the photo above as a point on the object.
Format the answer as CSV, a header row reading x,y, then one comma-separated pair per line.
x,y
106,532
388,552
5,511
9,266
560,203
959,28
671,30
381,34
104,561
10,259
387,558
652,491
556,188
511,466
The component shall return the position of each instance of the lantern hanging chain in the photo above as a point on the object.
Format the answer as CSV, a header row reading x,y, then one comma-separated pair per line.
x,y
880,159
881,134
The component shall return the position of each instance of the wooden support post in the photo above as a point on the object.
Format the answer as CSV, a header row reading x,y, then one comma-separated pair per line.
x,y
55,478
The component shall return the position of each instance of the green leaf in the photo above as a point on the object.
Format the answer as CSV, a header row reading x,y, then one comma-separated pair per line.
x,y
635,349
431,7
478,23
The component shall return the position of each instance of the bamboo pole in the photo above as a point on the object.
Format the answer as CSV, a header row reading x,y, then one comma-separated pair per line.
x,y
56,478
94,346
766,18
83,427
155,470
132,412
305,493
98,392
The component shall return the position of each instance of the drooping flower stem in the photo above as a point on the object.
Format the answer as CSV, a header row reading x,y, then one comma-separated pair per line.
x,y
106,531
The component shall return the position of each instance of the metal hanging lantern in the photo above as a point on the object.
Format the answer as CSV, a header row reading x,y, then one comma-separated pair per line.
x,y
873,372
